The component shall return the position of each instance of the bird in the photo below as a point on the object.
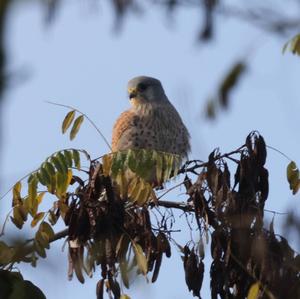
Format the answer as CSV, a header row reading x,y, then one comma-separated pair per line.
x,y
152,122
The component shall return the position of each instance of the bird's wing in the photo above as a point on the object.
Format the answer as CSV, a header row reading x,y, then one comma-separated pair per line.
x,y
122,129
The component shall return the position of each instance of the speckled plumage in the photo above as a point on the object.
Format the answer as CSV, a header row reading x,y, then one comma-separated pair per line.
x,y
152,122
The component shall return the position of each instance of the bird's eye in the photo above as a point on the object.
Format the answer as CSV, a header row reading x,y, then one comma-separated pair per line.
x,y
142,87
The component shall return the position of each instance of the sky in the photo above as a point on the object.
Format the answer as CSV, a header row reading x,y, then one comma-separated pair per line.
x,y
81,61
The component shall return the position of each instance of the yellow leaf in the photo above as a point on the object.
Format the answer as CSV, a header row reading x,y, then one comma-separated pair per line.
x,y
124,296
292,173
67,181
61,179
67,121
47,229
159,166
122,184
17,193
106,164
143,195
40,197
38,217
17,218
134,188
254,291
140,258
293,45
76,126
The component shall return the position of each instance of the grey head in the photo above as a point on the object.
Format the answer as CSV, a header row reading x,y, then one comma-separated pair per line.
x,y
145,90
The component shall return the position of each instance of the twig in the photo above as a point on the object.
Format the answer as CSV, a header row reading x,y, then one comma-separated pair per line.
x,y
278,151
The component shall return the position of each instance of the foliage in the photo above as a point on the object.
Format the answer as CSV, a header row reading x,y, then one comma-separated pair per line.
x,y
226,86
109,222
13,286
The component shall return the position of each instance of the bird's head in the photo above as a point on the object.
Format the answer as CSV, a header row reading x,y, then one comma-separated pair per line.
x,y
145,90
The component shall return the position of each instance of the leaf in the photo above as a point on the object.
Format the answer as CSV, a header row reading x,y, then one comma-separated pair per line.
x,y
124,296
6,253
106,164
68,158
18,217
40,197
68,121
49,168
62,161
52,218
58,165
230,81
169,159
44,175
122,184
61,179
47,229
118,162
17,193
159,166
292,173
140,258
38,217
254,291
32,196
76,126
293,45
76,158
143,194
42,238
40,250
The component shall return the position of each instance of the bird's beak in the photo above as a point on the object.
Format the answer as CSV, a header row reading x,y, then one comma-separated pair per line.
x,y
132,92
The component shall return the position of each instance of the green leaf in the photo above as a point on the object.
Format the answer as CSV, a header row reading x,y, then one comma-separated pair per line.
x,y
49,168
43,176
76,126
254,291
140,258
68,121
118,162
62,161
68,158
56,162
131,160
76,158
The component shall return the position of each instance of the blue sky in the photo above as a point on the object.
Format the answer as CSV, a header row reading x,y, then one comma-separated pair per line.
x,y
79,61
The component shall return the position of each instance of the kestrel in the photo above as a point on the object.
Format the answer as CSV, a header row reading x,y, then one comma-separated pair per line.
x,y
152,122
